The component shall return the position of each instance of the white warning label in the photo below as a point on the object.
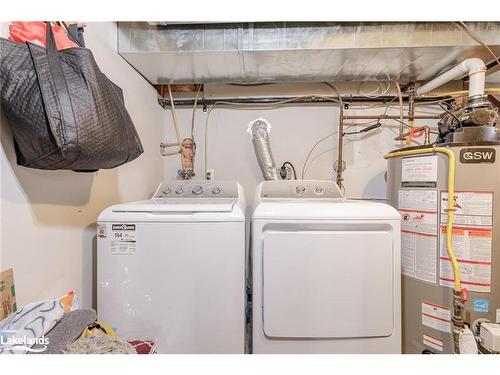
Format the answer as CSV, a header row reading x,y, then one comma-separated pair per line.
x,y
419,233
123,239
436,316
419,169
472,208
432,342
472,240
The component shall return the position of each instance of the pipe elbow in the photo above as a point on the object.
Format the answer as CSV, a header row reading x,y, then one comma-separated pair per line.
x,y
473,65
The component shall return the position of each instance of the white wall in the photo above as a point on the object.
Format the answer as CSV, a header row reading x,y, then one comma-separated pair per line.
x,y
294,131
48,217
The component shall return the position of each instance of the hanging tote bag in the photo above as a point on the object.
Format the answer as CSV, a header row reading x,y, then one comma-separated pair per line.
x,y
63,111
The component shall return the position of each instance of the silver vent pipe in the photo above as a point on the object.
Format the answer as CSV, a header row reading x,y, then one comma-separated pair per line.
x,y
259,130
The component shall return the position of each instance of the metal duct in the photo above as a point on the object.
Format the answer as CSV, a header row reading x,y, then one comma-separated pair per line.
x,y
300,51
259,130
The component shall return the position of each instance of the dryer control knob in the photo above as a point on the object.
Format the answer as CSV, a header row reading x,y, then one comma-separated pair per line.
x,y
300,189
179,190
197,190
318,190
216,190
167,190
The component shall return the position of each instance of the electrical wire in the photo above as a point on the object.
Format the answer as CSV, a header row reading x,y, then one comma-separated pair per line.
x,y
459,122
311,151
372,94
251,106
292,168
277,105
380,87
477,39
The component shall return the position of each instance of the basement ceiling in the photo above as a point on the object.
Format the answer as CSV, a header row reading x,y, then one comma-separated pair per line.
x,y
301,52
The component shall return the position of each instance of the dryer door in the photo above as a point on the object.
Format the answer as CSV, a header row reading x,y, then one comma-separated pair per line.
x,y
328,283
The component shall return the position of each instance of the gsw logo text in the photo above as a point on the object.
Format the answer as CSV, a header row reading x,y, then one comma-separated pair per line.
x,y
477,155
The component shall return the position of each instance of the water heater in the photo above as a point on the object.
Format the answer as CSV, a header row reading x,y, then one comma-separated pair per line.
x,y
418,188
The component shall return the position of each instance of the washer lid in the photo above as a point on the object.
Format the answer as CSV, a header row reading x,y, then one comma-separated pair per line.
x,y
172,205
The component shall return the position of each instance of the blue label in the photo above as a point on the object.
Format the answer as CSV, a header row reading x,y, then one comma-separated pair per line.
x,y
481,305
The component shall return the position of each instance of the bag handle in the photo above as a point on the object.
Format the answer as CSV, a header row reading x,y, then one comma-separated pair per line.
x,y
74,33
65,121
50,40
71,31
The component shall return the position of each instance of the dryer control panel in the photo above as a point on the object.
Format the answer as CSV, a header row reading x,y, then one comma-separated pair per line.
x,y
203,189
305,189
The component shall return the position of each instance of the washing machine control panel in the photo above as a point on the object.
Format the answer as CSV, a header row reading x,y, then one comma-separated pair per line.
x,y
197,189
307,189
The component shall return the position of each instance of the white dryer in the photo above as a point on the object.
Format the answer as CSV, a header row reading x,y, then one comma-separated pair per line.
x,y
326,271
172,269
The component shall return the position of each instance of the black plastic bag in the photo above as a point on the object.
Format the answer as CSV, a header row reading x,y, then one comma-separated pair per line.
x,y
63,111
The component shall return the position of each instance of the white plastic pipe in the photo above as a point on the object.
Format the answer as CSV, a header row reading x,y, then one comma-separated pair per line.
x,y
474,67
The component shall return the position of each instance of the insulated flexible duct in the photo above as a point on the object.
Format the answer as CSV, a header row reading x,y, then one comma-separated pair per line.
x,y
259,130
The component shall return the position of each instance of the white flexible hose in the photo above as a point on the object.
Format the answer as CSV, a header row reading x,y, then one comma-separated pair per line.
x,y
174,117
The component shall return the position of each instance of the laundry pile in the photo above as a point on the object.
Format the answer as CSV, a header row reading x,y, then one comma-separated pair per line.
x,y
59,326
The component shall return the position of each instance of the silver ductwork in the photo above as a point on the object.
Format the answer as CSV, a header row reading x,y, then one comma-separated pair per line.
x,y
300,51
259,130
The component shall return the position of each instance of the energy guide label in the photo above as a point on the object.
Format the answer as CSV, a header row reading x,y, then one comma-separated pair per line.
x,y
471,241
123,239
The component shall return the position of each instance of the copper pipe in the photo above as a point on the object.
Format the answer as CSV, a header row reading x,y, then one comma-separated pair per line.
x,y
340,146
411,110
427,132
340,164
400,97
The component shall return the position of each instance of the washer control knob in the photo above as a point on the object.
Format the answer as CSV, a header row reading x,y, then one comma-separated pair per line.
x,y
197,190
300,189
318,190
216,190
167,190
179,190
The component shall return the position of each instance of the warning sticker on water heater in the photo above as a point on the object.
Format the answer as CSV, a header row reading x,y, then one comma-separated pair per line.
x,y
436,316
123,240
419,171
432,342
472,240
419,233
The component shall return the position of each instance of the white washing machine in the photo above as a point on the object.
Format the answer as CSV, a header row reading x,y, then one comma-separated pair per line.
x,y
326,271
172,269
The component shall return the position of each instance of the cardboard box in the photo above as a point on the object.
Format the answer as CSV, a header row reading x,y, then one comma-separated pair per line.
x,y
7,293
